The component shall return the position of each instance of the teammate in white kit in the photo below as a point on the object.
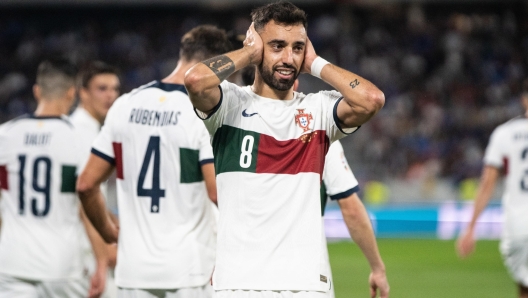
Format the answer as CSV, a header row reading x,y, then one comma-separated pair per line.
x,y
270,144
339,183
162,155
40,244
98,88
507,151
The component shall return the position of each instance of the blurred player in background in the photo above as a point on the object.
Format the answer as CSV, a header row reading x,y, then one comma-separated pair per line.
x,y
274,141
339,183
508,151
40,245
162,154
98,88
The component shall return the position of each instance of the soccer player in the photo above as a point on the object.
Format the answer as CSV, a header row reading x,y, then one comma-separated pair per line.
x,y
98,88
507,150
40,245
162,154
270,144
339,183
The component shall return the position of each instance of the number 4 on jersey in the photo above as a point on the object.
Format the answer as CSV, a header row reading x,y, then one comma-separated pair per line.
x,y
155,193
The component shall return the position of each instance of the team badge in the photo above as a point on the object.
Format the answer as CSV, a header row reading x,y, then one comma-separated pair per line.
x,y
303,120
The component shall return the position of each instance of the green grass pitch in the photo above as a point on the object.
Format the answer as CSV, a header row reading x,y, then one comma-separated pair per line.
x,y
423,269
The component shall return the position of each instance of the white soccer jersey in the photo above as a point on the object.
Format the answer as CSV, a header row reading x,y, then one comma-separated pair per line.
x,y
157,144
508,149
269,158
40,212
338,180
338,183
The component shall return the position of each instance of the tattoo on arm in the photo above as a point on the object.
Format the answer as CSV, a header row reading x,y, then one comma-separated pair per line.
x,y
221,65
354,83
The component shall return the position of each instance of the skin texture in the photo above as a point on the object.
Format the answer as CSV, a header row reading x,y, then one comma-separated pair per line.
x,y
99,95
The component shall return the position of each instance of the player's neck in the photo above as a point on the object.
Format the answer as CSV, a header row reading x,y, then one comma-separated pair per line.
x,y
51,108
178,75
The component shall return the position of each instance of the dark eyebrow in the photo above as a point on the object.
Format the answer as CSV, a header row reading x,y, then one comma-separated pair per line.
x,y
277,41
299,43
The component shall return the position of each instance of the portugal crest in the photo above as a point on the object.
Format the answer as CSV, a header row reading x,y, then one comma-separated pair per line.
x,y
303,120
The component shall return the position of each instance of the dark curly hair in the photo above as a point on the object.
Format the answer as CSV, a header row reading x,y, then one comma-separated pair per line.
x,y
281,12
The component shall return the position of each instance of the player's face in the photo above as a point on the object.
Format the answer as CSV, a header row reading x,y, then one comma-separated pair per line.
x,y
283,54
98,97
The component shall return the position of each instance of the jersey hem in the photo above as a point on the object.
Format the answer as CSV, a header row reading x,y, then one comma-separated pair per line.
x,y
100,154
206,161
345,194
338,124
207,116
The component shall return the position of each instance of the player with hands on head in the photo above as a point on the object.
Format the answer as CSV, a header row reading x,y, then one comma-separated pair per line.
x,y
165,180
507,151
41,242
274,140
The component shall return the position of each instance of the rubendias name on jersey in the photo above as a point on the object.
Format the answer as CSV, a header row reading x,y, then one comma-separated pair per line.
x,y
154,118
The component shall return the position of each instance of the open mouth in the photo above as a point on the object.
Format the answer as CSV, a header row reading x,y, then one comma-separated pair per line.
x,y
286,73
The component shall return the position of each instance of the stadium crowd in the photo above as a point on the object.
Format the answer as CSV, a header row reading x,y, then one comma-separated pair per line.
x,y
450,73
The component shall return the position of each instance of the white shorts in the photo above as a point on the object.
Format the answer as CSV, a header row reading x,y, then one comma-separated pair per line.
x,y
268,294
64,288
205,291
515,256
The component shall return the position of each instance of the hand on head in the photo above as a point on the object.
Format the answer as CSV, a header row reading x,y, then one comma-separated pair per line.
x,y
253,44
309,56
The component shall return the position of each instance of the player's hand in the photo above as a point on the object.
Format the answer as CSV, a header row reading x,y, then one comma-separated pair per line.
x,y
465,244
97,282
309,56
253,45
378,282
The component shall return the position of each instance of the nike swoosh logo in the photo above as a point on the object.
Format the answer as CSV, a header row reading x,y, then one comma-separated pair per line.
x,y
246,114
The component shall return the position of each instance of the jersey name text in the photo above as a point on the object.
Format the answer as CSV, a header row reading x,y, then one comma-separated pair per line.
x,y
37,139
154,118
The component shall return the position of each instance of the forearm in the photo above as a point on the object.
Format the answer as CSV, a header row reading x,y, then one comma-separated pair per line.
x,y
358,223
361,98
202,79
95,209
98,245
361,232
484,192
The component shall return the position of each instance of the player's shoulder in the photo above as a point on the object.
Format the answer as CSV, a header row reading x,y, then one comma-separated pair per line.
x,y
323,94
240,92
510,125
28,119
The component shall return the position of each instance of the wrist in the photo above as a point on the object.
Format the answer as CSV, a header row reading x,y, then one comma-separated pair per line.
x,y
317,66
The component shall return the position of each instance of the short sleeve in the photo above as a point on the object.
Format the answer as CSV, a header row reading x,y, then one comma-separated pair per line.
x,y
338,178
103,143
204,145
231,94
330,100
495,149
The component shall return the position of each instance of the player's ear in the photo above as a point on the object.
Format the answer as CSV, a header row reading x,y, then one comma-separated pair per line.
x,y
37,92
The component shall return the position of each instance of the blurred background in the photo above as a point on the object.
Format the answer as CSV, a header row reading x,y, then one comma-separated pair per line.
x,y
451,71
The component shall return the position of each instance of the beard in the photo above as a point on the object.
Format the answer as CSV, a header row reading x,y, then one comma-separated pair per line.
x,y
279,84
